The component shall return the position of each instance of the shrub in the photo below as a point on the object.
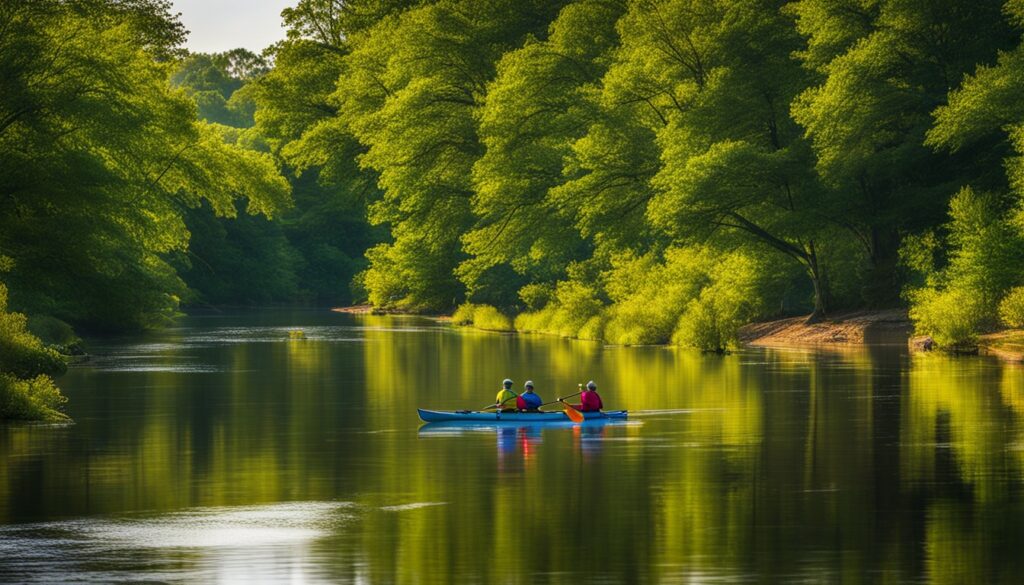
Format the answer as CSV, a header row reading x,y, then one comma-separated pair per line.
x,y
463,315
36,399
699,326
1011,308
21,353
570,311
952,316
962,300
483,317
735,296
649,296
488,318
26,390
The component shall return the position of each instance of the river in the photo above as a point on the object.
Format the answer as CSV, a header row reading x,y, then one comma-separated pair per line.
x,y
223,449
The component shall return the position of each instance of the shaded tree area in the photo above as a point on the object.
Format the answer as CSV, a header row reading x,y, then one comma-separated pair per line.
x,y
100,159
311,251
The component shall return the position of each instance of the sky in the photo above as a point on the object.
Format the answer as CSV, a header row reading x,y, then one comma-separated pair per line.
x,y
220,25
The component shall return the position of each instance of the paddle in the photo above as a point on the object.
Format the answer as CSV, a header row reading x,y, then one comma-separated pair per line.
x,y
574,414
557,400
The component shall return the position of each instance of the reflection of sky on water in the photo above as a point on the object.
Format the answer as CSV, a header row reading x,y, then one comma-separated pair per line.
x,y
180,356
242,544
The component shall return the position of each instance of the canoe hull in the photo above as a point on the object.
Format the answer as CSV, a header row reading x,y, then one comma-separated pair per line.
x,y
513,417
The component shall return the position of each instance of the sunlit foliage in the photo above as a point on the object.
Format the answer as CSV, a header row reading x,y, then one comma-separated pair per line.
x,y
27,391
98,157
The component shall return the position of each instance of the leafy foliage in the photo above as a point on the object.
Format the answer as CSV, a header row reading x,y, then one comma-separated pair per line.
x,y
961,299
98,157
483,317
26,366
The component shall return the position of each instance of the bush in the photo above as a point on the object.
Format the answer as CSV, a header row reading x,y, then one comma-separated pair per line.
x,y
21,353
962,300
952,316
649,296
483,317
488,318
699,327
1011,308
568,314
736,296
36,399
463,315
26,390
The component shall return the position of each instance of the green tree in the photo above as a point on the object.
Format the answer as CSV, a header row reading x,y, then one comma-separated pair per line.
x,y
882,68
98,157
539,104
411,91
961,299
715,80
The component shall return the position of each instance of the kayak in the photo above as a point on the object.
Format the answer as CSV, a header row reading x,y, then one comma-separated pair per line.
x,y
513,417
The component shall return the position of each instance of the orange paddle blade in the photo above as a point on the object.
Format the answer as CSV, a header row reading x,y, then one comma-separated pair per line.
x,y
573,414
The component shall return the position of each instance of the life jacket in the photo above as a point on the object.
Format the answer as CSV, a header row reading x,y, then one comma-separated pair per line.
x,y
506,397
590,401
528,401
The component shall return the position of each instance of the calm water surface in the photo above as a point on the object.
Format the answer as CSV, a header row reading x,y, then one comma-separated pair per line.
x,y
222,450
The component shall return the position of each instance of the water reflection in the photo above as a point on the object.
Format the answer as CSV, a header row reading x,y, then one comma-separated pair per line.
x,y
243,451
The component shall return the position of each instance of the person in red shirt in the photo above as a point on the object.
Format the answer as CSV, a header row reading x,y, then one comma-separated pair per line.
x,y
590,401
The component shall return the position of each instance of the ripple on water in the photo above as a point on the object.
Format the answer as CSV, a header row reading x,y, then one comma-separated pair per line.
x,y
412,506
194,545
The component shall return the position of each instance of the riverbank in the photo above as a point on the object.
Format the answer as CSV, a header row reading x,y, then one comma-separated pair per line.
x,y
890,326
1006,345
370,309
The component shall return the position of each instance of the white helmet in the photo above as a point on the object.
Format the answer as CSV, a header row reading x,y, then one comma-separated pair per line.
x,y
528,384
591,385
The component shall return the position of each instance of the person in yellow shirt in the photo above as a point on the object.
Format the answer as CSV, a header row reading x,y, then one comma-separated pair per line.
x,y
505,401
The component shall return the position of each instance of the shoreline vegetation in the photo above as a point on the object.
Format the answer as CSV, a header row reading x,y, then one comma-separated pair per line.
x,y
847,328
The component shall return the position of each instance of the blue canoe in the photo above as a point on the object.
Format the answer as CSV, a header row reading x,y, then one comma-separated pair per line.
x,y
513,417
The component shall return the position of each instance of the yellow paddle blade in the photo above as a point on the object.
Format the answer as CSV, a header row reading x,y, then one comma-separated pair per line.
x,y
573,414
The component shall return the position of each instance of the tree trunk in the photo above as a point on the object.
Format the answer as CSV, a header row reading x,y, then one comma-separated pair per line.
x,y
882,284
821,292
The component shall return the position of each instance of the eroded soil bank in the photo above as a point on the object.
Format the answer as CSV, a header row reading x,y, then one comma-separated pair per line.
x,y
854,327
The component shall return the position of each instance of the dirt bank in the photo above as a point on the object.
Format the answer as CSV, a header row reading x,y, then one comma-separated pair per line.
x,y
1006,345
854,327
356,310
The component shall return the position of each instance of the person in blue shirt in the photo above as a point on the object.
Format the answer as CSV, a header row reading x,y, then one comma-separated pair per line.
x,y
528,400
